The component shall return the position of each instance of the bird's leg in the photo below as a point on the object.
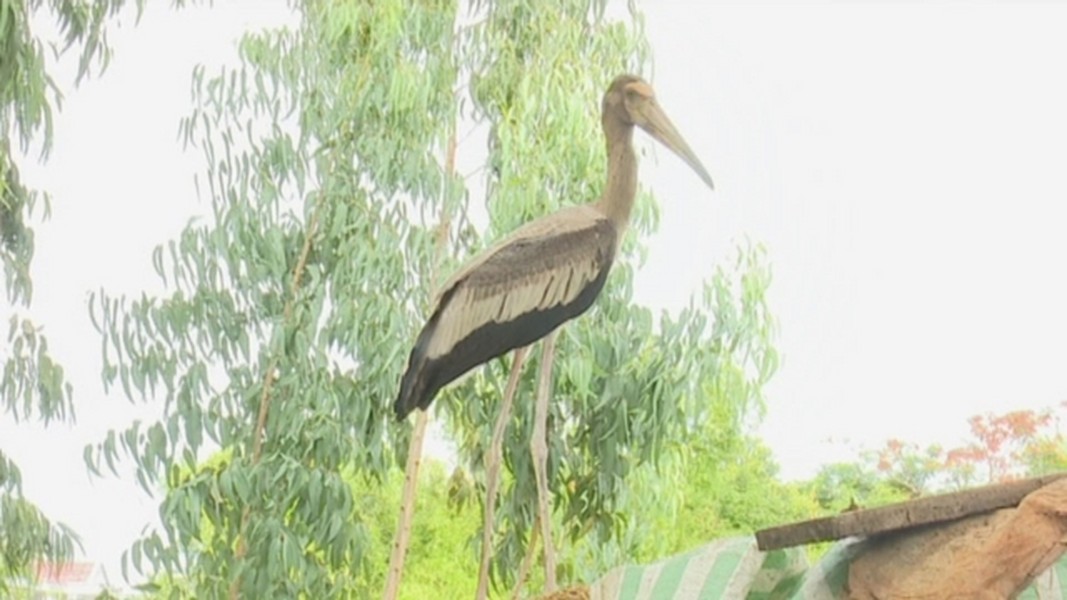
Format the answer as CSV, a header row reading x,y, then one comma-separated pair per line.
x,y
539,450
492,470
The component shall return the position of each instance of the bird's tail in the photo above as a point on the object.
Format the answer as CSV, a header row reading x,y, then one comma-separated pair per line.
x,y
413,386
410,387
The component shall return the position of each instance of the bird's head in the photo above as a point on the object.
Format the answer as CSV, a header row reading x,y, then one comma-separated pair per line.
x,y
631,100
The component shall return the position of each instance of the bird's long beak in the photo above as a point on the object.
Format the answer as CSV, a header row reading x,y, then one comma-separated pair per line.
x,y
660,127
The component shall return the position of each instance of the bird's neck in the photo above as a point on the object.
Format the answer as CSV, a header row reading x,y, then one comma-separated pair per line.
x,y
618,198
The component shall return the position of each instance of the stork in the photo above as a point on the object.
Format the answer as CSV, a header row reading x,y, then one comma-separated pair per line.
x,y
545,273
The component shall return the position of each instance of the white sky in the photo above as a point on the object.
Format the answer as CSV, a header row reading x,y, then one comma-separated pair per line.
x,y
902,163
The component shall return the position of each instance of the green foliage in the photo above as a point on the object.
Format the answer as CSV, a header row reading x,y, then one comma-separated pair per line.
x,y
1002,447
287,309
441,561
26,535
1047,454
842,486
897,472
28,97
33,384
733,490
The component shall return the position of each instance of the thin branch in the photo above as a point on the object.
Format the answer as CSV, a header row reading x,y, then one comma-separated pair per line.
x,y
527,560
407,510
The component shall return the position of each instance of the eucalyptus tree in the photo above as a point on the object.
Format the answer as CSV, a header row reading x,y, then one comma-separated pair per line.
x,y
280,337
336,208
33,384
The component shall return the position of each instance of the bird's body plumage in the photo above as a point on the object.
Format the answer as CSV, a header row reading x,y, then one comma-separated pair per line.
x,y
546,272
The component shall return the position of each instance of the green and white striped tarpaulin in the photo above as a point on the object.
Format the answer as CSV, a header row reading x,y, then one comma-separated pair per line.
x,y
735,569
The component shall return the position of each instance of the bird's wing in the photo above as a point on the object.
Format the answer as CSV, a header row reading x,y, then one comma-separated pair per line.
x,y
541,266
545,273
569,219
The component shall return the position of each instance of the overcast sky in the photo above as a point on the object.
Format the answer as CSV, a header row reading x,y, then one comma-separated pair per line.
x,y
901,162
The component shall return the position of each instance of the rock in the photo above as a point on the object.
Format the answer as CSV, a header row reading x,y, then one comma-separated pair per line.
x,y
984,557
